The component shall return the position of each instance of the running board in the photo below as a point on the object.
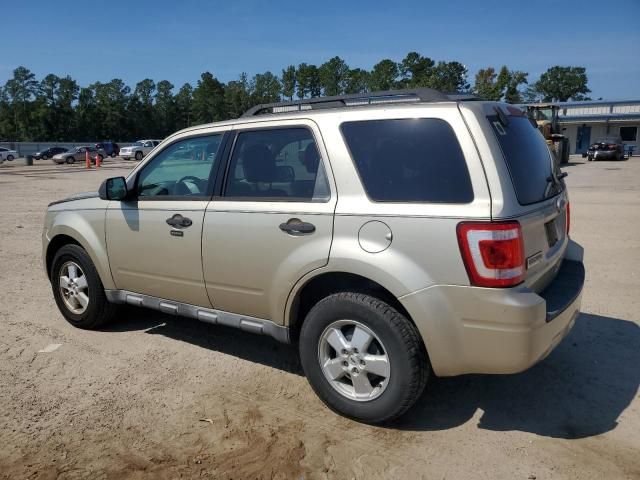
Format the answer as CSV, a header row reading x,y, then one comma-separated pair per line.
x,y
208,315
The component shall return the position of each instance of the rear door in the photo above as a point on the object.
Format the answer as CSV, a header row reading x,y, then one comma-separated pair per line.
x,y
273,222
540,203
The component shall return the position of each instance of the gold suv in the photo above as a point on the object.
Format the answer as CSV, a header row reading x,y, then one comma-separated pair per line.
x,y
389,235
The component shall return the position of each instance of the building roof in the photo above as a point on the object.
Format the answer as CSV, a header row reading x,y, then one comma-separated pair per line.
x,y
616,117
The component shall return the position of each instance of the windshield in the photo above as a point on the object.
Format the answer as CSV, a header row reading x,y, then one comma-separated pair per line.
x,y
528,159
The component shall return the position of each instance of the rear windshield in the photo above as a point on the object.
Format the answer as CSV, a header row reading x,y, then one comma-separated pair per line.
x,y
409,160
528,159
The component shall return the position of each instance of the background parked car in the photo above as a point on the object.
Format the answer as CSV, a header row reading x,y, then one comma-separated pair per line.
x,y
112,149
609,148
49,153
6,154
138,149
77,154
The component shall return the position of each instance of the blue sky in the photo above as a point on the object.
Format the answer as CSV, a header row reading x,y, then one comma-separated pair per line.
x,y
178,40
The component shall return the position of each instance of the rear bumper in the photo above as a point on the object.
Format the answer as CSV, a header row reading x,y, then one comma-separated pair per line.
x,y
484,330
608,154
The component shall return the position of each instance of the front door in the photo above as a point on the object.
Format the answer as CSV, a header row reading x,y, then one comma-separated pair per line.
x,y
154,239
273,222
583,139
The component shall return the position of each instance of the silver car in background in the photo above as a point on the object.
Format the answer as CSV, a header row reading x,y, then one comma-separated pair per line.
x,y
138,150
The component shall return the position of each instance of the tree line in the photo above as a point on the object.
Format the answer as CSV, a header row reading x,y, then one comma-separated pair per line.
x,y
58,109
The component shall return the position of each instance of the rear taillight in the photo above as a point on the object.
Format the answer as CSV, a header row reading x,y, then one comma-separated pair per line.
x,y
493,253
568,214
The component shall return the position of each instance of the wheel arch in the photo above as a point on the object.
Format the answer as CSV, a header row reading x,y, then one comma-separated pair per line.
x,y
85,237
319,286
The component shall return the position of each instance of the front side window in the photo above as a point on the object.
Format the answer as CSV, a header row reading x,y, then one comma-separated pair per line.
x,y
409,160
183,169
277,164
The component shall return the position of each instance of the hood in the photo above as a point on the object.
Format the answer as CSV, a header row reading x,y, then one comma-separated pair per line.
x,y
76,196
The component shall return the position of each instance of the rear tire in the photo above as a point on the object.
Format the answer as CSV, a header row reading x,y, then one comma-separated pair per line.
x,y
68,289
113,155
378,390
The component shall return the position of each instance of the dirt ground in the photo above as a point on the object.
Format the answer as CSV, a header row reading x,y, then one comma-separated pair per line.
x,y
155,396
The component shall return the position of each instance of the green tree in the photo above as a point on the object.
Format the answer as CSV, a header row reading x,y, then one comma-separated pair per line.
x,y
449,77
164,109
560,84
415,70
333,76
265,88
21,90
184,106
86,119
308,81
357,81
486,86
140,109
237,97
208,100
504,85
384,75
111,101
289,82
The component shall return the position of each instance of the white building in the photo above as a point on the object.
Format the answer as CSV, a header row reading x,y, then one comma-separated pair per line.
x,y
588,122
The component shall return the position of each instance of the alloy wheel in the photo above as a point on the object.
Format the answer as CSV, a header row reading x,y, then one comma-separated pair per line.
x,y
354,360
74,287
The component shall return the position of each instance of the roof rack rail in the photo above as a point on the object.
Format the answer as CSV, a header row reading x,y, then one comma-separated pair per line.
x,y
412,95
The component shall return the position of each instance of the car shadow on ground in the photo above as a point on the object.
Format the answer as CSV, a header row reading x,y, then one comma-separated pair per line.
x,y
580,390
227,340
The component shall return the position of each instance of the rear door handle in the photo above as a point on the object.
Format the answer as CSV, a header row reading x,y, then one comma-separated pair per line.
x,y
178,221
296,227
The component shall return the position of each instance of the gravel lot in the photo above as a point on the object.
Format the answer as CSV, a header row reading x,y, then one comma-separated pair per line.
x,y
165,397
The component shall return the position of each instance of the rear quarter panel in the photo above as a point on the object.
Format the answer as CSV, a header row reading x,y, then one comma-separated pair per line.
x,y
424,248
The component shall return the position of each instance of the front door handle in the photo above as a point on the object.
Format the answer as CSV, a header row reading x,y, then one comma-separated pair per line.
x,y
297,227
178,221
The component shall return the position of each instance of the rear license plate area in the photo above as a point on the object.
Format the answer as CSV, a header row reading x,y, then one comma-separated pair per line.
x,y
552,232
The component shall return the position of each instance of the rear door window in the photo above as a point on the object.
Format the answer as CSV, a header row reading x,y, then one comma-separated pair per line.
x,y
528,159
281,164
409,160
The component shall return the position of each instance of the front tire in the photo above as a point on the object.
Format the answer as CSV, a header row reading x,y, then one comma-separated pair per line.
x,y
138,156
78,290
71,160
10,157
44,157
362,357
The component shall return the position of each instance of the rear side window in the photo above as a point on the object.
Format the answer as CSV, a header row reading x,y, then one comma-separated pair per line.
x,y
281,164
528,158
409,160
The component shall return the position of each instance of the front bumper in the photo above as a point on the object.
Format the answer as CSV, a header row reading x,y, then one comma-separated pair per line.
x,y
490,330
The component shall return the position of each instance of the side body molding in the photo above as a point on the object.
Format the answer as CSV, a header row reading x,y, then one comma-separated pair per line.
x,y
208,315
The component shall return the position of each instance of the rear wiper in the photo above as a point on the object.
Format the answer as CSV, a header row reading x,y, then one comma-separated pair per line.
x,y
555,178
554,181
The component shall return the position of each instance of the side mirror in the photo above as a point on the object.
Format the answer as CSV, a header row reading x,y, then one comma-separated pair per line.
x,y
114,188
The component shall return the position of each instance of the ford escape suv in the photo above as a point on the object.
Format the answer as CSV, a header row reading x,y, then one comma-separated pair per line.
x,y
389,235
